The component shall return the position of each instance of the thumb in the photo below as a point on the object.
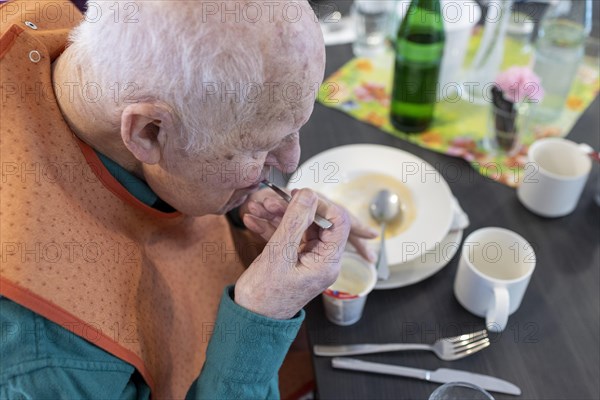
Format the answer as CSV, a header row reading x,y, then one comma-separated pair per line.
x,y
297,218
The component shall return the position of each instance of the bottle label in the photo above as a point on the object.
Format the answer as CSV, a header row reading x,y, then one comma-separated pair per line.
x,y
430,53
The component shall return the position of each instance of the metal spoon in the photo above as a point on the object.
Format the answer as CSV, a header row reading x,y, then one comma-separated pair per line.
x,y
319,220
384,208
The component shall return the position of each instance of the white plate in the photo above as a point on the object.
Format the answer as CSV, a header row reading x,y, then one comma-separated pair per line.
x,y
423,267
429,191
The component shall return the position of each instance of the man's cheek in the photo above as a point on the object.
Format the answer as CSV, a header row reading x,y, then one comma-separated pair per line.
x,y
209,174
250,172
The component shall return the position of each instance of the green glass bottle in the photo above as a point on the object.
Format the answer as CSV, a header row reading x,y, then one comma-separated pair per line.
x,y
419,51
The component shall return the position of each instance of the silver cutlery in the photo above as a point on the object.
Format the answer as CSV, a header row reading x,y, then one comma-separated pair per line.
x,y
384,208
441,375
448,349
319,220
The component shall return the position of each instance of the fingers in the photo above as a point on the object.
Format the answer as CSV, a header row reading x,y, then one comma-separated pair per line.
x,y
258,210
275,206
272,208
269,209
358,228
362,248
298,216
331,242
260,226
263,217
334,213
361,229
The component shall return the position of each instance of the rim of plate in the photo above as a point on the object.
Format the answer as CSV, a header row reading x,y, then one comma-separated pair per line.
x,y
414,271
430,191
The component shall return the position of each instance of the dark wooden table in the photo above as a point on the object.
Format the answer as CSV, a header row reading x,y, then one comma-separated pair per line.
x,y
551,347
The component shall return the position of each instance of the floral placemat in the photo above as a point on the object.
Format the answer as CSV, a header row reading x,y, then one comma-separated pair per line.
x,y
362,89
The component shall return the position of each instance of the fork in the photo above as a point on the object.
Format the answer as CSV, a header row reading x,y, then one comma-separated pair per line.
x,y
448,349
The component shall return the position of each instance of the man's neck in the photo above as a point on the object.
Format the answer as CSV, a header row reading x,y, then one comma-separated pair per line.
x,y
85,118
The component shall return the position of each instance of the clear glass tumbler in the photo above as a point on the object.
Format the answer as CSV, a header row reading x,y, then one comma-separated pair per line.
x,y
559,51
460,391
372,20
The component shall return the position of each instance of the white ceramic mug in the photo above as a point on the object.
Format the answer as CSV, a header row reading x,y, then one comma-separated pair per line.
x,y
493,273
344,301
554,177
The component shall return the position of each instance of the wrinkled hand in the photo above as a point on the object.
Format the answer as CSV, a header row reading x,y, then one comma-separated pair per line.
x,y
299,262
263,210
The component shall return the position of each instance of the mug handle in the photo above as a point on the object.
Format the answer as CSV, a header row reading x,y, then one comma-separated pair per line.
x,y
497,315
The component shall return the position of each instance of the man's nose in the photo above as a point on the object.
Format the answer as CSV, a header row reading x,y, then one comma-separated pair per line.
x,y
286,157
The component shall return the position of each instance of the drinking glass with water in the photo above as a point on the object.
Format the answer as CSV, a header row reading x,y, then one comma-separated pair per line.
x,y
559,51
372,19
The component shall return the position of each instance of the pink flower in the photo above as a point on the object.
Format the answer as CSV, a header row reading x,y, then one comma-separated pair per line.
x,y
520,84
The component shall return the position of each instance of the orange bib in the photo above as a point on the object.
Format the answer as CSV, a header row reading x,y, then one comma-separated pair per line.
x,y
77,248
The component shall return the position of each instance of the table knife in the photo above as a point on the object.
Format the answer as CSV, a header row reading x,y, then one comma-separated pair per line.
x,y
441,375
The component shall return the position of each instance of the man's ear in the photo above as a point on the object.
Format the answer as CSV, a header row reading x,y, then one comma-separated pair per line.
x,y
144,127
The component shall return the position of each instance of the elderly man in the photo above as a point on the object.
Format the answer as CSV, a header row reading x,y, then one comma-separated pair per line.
x,y
121,153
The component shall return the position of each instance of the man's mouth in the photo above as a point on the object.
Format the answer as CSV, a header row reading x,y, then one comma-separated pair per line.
x,y
257,183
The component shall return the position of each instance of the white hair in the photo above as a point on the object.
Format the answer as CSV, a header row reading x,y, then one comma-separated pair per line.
x,y
162,52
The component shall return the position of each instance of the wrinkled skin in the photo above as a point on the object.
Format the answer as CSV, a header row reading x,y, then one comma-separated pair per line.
x,y
300,260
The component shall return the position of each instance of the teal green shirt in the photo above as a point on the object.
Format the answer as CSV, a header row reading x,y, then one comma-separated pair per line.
x,y
41,360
